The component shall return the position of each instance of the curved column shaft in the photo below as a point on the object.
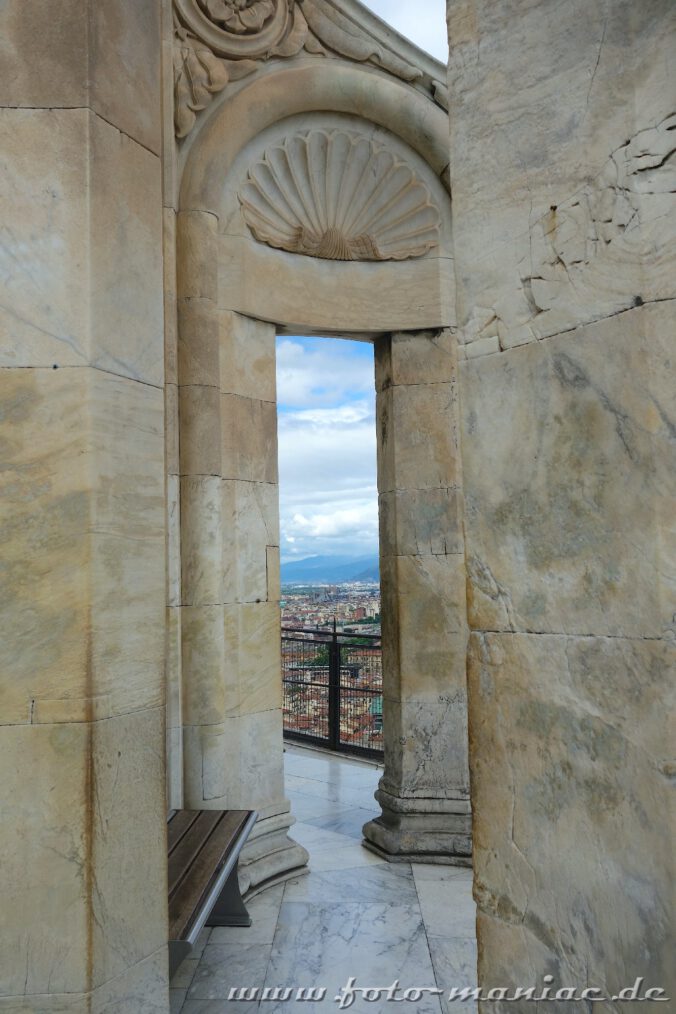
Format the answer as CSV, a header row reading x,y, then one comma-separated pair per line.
x,y
424,791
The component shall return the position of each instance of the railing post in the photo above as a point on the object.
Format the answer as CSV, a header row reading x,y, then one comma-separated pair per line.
x,y
334,691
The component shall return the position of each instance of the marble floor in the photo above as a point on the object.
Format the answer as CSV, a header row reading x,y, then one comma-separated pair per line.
x,y
353,915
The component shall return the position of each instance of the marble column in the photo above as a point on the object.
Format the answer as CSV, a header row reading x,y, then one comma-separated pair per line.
x,y
231,702
83,831
424,791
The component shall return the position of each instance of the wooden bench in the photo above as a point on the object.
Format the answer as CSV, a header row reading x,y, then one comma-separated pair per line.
x,y
204,846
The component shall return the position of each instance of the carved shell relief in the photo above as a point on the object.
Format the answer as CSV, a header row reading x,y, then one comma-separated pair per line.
x,y
339,195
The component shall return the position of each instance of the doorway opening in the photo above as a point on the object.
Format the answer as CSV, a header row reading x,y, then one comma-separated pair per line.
x,y
330,573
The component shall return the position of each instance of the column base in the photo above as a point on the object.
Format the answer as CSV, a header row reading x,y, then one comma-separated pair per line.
x,y
420,830
270,856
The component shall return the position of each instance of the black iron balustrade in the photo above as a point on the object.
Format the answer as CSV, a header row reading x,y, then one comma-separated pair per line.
x,y
333,690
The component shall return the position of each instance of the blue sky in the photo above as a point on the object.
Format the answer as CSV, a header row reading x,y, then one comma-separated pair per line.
x,y
325,392
421,21
327,447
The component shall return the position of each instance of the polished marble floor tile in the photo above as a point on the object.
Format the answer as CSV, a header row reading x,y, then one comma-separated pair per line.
x,y
344,857
447,907
229,966
318,839
176,1000
306,807
326,944
454,960
352,915
349,822
219,1007
386,883
185,972
429,871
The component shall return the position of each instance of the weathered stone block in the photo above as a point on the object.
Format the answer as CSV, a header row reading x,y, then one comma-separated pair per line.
x,y
421,522
426,745
252,652
251,517
129,833
196,255
562,445
419,357
200,427
417,444
424,624
49,827
209,695
201,541
198,342
576,726
84,469
247,365
249,439
124,67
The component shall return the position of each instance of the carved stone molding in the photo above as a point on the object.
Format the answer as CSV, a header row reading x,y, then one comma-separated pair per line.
x,y
339,195
218,41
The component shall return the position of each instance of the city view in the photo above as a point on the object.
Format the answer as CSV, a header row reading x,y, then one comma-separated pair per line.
x,y
332,665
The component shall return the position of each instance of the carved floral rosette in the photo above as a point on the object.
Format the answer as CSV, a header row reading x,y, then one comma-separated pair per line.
x,y
218,41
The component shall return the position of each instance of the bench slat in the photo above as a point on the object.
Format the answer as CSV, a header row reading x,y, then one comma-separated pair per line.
x,y
179,824
190,846
194,881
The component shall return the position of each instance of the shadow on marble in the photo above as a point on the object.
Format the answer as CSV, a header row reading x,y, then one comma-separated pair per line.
x,y
184,974
307,807
176,1000
345,797
455,965
264,911
229,966
348,822
344,857
219,1007
316,839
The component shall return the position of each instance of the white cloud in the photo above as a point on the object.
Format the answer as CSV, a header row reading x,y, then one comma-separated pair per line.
x,y
422,21
322,371
327,448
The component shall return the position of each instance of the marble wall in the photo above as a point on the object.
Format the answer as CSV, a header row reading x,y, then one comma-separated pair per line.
x,y
562,167
83,917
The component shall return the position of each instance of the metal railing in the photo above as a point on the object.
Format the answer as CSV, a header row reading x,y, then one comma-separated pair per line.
x,y
333,690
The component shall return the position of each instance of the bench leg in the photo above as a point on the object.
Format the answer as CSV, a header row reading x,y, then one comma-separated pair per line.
x,y
178,950
229,909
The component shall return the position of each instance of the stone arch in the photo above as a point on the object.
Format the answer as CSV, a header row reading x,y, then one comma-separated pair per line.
x,y
236,290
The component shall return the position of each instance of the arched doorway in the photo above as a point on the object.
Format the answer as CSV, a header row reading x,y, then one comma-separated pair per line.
x,y
313,201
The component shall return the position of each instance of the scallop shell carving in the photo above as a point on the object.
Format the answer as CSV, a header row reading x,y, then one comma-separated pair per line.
x,y
340,196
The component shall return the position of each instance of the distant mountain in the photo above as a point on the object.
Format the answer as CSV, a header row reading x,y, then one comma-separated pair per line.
x,y
331,570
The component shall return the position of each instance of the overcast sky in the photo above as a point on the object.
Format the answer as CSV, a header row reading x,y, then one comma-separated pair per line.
x,y
325,391
327,448
421,21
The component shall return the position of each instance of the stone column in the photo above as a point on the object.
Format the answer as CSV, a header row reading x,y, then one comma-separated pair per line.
x,y
230,561
82,836
424,791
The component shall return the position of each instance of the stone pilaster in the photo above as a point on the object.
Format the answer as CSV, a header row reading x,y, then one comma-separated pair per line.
x,y
231,701
424,792
83,834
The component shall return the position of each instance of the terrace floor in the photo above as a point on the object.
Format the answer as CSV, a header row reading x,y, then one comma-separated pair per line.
x,y
353,915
